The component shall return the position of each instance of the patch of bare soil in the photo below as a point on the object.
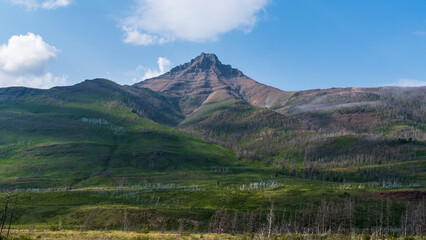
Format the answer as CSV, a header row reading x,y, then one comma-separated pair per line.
x,y
412,196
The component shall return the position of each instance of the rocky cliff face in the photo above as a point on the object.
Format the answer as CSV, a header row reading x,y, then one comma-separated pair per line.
x,y
205,79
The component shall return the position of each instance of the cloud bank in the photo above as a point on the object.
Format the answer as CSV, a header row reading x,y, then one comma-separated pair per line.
x,y
404,82
23,62
161,21
142,73
44,4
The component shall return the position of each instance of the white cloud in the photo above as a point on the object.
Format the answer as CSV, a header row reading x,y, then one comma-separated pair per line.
x,y
135,37
163,64
45,4
161,21
404,82
45,80
142,73
53,4
23,62
26,53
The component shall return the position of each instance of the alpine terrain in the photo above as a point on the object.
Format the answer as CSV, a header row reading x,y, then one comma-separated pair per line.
x,y
204,148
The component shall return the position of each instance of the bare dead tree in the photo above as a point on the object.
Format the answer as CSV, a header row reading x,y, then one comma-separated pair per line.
x,y
388,216
196,225
212,223
351,212
218,221
421,221
243,222
284,224
11,215
295,223
369,219
381,218
251,222
259,221
234,223
406,221
223,216
270,219
126,221
162,221
181,227
4,216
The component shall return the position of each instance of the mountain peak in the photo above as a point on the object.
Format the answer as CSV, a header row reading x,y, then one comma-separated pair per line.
x,y
204,75
205,63
207,58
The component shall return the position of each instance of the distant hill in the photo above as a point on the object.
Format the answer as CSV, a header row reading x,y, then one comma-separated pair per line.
x,y
92,133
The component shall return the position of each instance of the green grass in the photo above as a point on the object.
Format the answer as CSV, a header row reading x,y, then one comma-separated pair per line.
x,y
193,199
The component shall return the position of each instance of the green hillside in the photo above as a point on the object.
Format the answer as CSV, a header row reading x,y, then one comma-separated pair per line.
x,y
340,144
91,133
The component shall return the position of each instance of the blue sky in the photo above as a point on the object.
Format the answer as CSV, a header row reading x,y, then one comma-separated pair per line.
x,y
289,44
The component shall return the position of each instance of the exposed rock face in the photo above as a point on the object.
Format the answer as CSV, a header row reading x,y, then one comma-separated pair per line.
x,y
195,81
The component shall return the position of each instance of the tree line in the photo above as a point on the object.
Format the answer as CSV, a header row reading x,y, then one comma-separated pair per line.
x,y
340,217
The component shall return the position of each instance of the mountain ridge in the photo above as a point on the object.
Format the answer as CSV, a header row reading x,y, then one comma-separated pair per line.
x,y
203,98
196,80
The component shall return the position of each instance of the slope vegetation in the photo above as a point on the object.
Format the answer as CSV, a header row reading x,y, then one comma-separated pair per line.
x,y
93,134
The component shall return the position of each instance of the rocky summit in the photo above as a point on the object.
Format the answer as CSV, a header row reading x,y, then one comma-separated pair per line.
x,y
205,79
